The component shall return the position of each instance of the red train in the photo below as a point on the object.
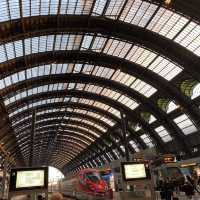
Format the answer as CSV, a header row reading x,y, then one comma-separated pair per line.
x,y
86,184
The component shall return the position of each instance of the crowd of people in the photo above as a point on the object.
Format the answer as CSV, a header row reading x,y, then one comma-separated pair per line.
x,y
170,188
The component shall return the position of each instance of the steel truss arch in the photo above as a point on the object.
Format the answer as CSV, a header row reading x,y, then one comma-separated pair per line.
x,y
167,90
67,114
86,79
105,26
104,100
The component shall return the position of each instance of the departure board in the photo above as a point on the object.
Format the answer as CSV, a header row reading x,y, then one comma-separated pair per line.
x,y
29,178
33,178
135,171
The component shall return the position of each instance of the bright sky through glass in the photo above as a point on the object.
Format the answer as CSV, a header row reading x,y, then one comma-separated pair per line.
x,y
55,174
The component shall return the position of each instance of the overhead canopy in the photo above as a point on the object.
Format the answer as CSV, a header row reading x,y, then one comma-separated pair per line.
x,y
69,68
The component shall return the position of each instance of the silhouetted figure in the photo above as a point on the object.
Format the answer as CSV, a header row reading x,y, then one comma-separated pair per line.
x,y
166,189
56,196
40,197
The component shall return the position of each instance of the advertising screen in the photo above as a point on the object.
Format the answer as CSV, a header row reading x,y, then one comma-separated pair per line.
x,y
34,178
29,178
135,171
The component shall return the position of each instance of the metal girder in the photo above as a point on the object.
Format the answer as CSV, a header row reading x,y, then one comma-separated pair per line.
x,y
32,138
73,105
81,116
83,161
65,135
7,132
44,25
68,129
190,8
68,114
104,100
69,148
82,154
165,89
88,79
70,144
147,103
124,125
53,114
68,154
52,123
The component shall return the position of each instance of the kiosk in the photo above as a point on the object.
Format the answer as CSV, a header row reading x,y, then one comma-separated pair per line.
x,y
29,182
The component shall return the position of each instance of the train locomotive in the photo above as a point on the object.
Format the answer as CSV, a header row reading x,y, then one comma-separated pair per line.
x,y
86,184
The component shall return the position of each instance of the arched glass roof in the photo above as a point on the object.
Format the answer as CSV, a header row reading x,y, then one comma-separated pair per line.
x,y
69,68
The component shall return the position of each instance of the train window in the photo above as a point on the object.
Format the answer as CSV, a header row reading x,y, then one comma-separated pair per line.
x,y
93,176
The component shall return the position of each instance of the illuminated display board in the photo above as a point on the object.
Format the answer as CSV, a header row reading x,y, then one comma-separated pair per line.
x,y
29,178
34,178
135,171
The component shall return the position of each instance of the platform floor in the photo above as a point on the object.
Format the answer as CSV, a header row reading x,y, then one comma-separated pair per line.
x,y
182,197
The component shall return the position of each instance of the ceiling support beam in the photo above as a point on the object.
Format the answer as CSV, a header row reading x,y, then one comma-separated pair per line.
x,y
32,139
148,104
108,27
7,131
124,125
164,88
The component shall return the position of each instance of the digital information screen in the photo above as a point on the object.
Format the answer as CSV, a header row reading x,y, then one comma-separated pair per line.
x,y
28,179
34,178
135,171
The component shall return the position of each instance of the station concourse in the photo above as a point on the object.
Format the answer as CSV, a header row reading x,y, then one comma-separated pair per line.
x,y
89,83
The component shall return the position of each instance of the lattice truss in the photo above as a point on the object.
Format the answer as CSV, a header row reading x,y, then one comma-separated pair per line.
x,y
78,63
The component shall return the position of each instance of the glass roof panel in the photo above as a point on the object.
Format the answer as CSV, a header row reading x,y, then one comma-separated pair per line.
x,y
4,12
163,133
196,91
145,14
190,38
138,12
142,13
134,145
99,7
152,119
185,124
132,104
147,140
167,23
114,8
144,57
117,48
171,107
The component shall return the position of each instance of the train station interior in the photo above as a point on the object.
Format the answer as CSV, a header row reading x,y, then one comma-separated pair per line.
x,y
107,92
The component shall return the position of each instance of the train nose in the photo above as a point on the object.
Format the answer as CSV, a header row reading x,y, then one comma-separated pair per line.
x,y
101,186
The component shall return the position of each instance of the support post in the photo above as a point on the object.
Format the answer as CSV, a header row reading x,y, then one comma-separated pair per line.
x,y
32,139
4,183
124,134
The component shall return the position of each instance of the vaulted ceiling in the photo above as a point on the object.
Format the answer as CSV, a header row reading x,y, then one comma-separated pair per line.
x,y
69,68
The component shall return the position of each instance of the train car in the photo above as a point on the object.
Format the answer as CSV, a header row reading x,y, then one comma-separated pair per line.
x,y
86,185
